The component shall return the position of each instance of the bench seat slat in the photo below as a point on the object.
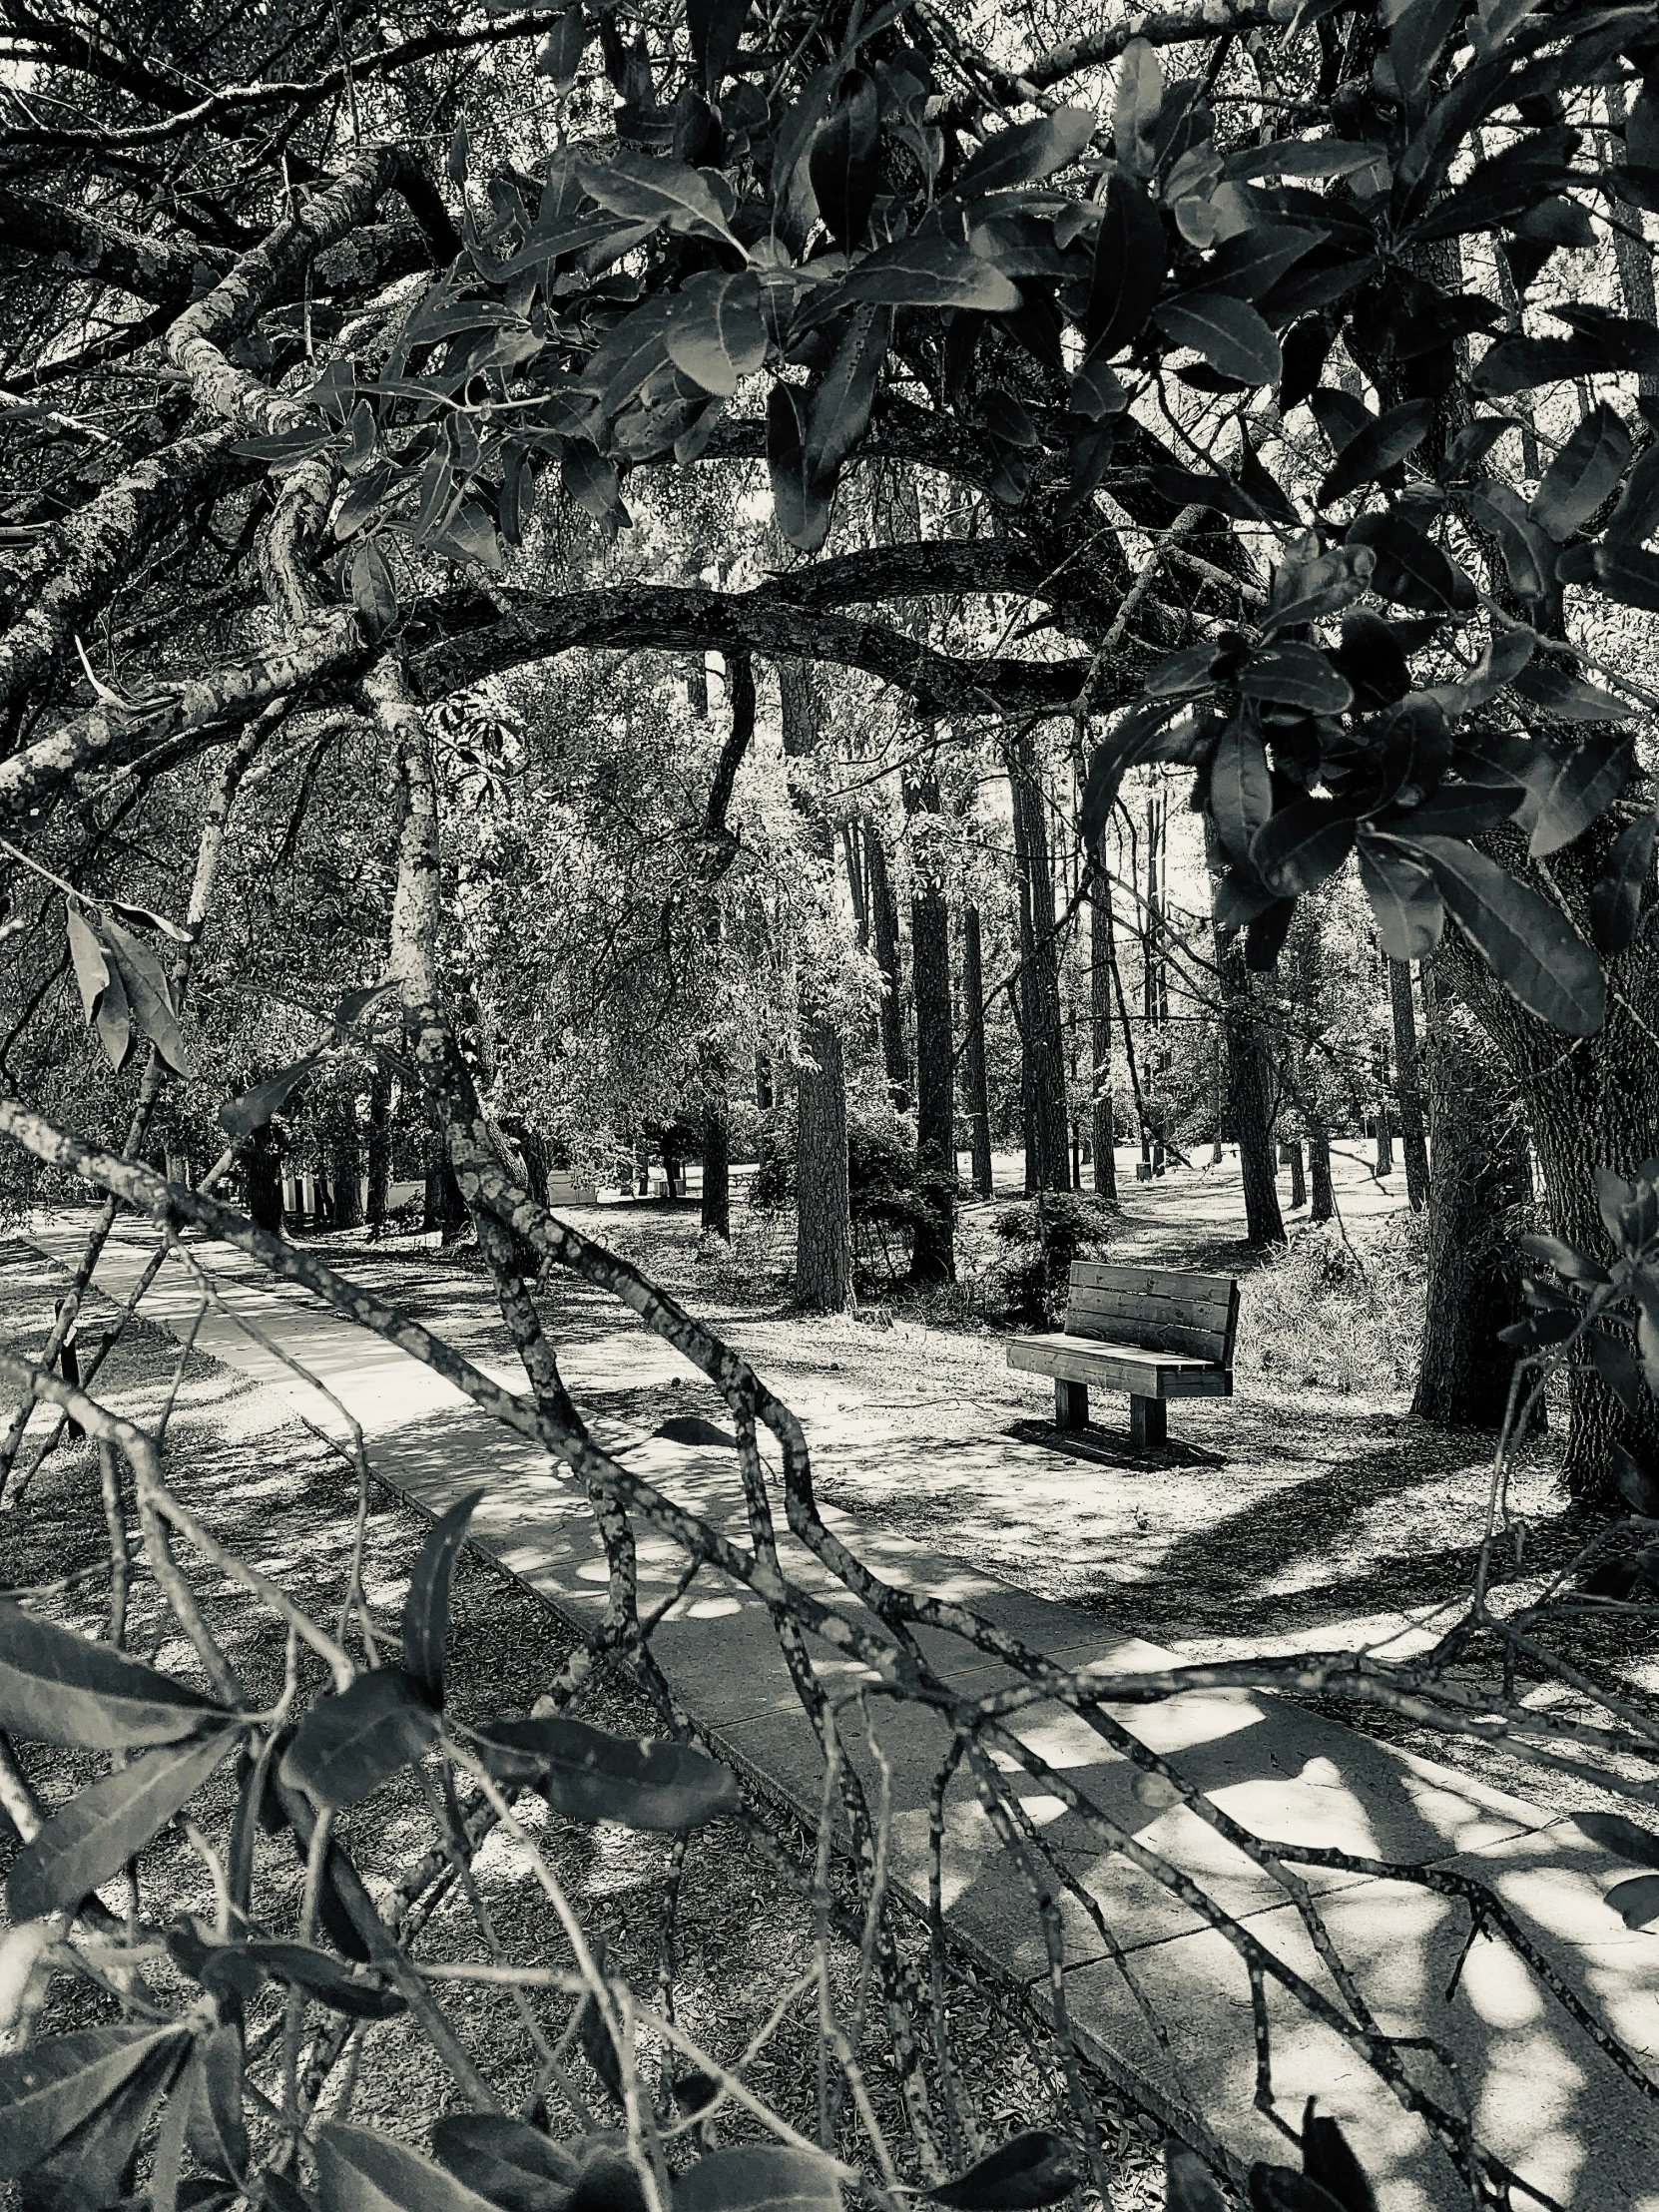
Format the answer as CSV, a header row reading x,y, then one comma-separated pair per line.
x,y
1120,1366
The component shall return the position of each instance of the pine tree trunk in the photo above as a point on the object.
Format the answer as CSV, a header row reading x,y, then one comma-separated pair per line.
x,y
1299,1179
1481,1180
762,1079
824,1222
717,1170
824,1243
973,1054
379,1147
1103,1130
1049,1167
883,928
346,1167
1249,1099
1323,1206
934,1247
1413,1143
1385,1137
264,1181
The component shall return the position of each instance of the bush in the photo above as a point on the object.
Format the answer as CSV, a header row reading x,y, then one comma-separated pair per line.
x,y
1043,1236
1327,1318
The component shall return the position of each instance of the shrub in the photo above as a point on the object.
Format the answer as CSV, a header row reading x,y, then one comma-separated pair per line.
x,y
1043,1236
1325,1315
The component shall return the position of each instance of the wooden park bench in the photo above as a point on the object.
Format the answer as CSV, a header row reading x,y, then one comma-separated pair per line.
x,y
1154,1334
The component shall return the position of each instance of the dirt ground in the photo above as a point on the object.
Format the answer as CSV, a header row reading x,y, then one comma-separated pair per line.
x,y
741,1933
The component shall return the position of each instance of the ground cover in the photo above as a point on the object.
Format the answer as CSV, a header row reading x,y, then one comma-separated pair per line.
x,y
285,1500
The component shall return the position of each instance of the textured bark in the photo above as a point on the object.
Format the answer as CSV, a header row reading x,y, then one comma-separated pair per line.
x,y
716,1213
346,1167
933,1250
1048,1165
1103,1127
264,1181
883,908
1248,1104
973,1053
824,1218
824,1239
1481,1182
1413,1143
1591,1102
379,1146
1324,1195
1298,1176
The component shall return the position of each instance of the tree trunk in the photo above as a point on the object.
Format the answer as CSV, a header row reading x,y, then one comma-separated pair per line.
x,y
762,1079
379,1147
974,1055
1323,1206
1249,1099
883,929
1482,1183
1385,1132
264,1181
346,1167
1299,1179
446,1207
1049,1167
1413,1144
716,1169
824,1240
934,1247
1590,1103
824,1222
1103,1130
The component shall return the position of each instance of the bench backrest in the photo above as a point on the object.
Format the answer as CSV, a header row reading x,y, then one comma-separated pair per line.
x,y
1156,1309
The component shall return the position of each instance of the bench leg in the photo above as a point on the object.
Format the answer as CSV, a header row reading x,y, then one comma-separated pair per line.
x,y
1147,1417
1071,1405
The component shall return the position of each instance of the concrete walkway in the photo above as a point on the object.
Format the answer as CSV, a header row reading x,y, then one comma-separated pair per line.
x,y
1542,2098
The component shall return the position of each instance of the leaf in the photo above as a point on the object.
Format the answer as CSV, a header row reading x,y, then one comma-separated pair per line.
x,y
1139,100
587,1775
1265,939
797,499
1189,2187
239,1116
590,479
1031,2169
1028,153
840,412
1519,365
559,51
1635,1902
599,2047
1372,660
844,161
1410,914
1418,33
352,1742
1282,2188
96,1832
1130,739
1229,333
1251,262
360,2170
426,1608
150,995
1300,158
1566,698
1241,786
1624,572
1616,901
1574,788
60,1687
1528,552
1379,446
1638,1488
1303,844
322,1975
1410,568
91,969
930,272
509,2162
648,189
1583,474
217,2134
1131,255
146,917
1296,676
756,2176
373,592
356,1004
1528,943
715,331
57,2083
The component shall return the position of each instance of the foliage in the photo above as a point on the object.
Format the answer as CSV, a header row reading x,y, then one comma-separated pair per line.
x,y
1043,1236
1322,1315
